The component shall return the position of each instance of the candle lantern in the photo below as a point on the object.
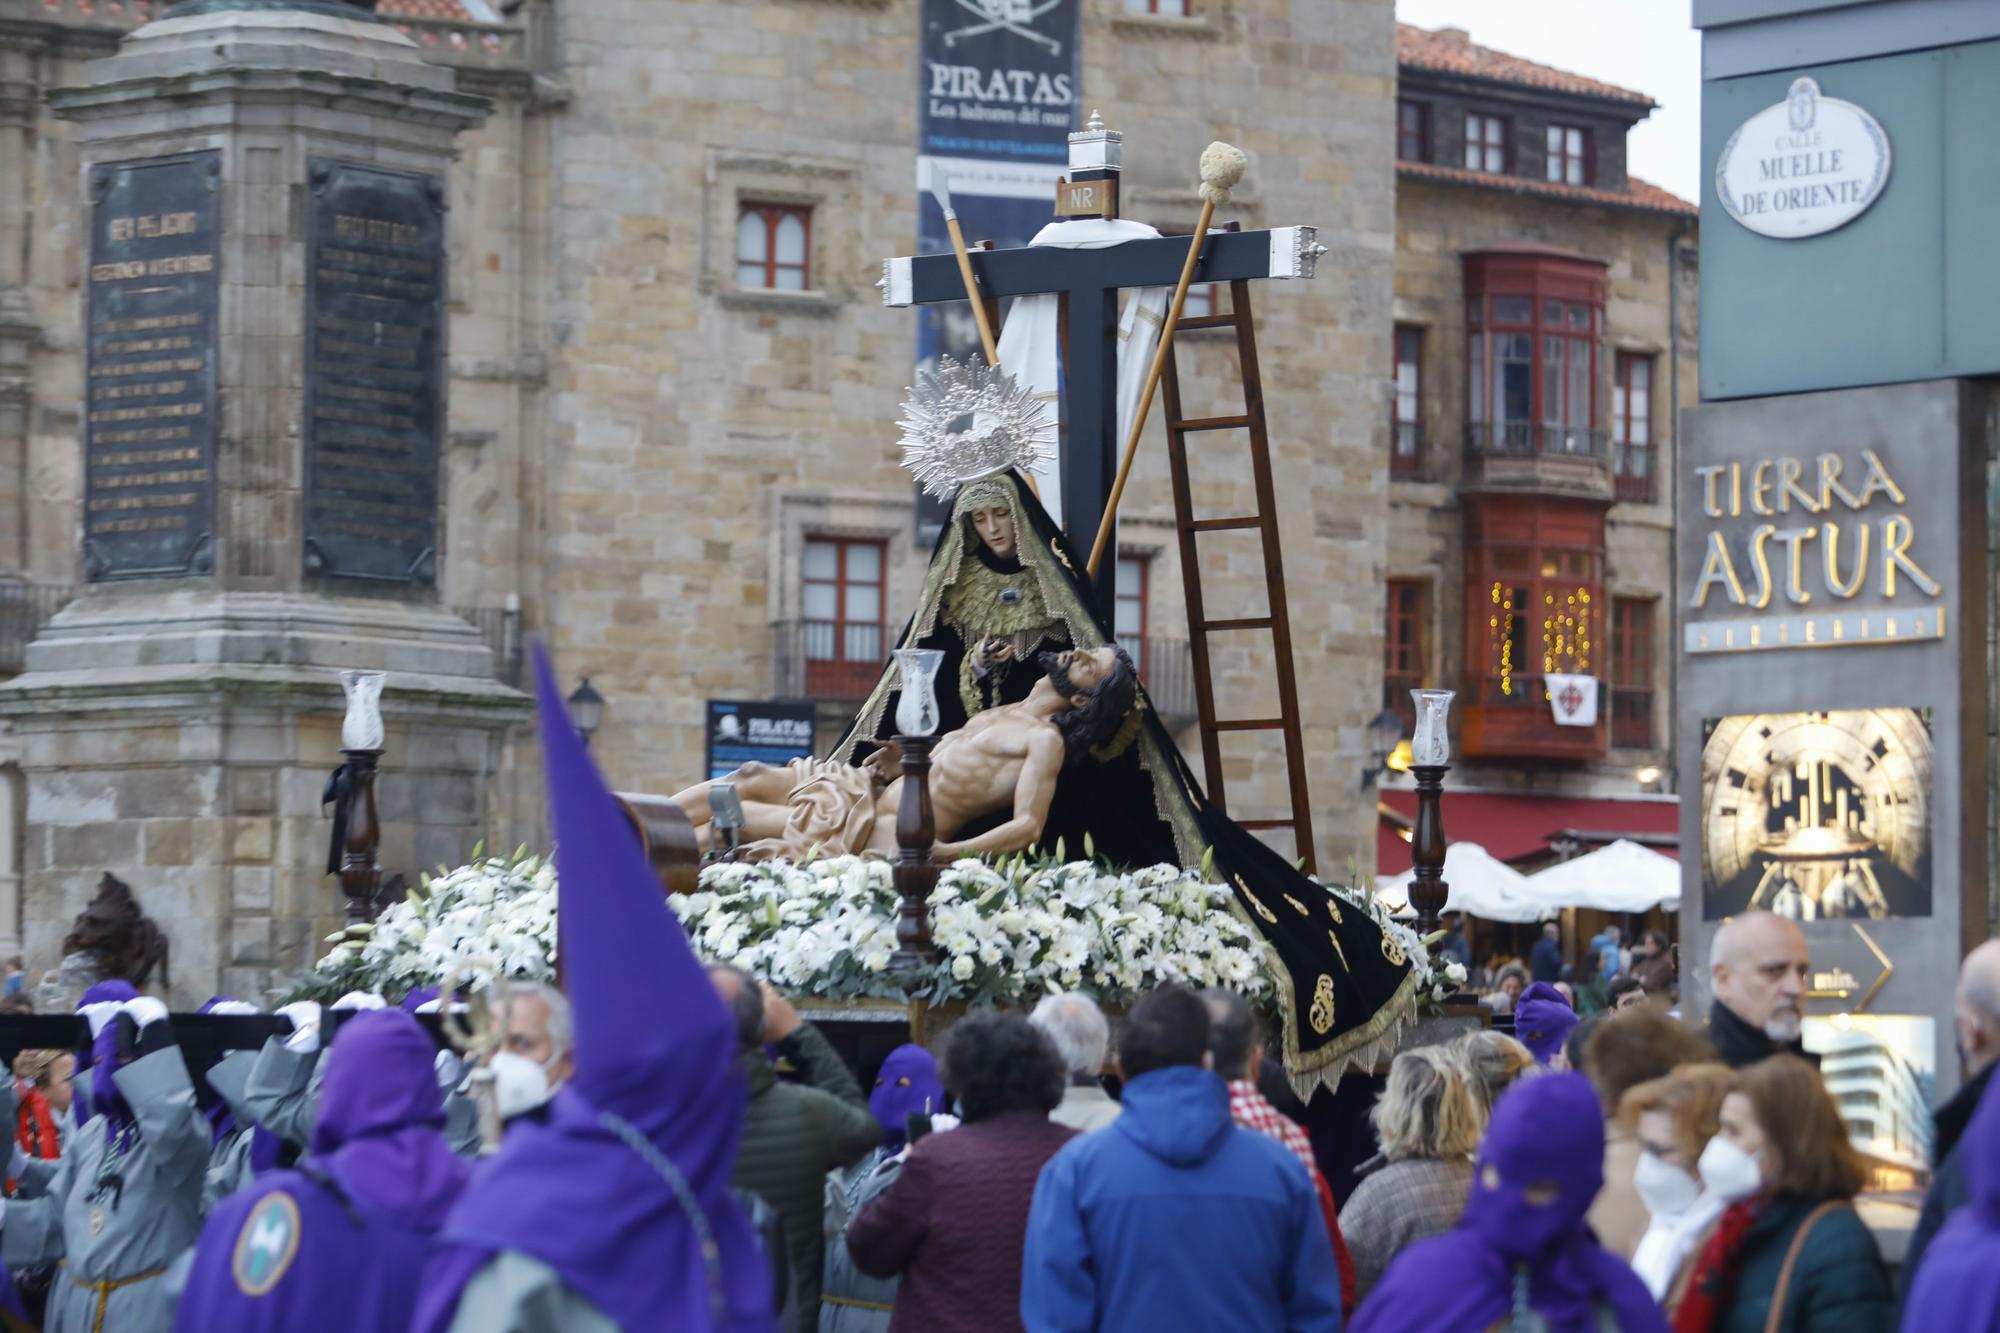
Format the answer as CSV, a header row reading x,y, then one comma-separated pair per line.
x,y
1430,759
916,830
357,831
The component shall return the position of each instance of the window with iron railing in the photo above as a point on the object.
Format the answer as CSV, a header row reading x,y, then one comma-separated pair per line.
x,y
1406,446
1532,373
1632,426
1632,673
841,595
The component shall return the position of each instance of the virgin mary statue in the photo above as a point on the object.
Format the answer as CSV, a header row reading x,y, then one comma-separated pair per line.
x,y
1003,588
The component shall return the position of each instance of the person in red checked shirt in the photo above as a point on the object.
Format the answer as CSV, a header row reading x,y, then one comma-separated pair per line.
x,y
1237,1053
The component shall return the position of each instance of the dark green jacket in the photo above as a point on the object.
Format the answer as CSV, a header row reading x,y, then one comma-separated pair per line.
x,y
793,1134
1838,1285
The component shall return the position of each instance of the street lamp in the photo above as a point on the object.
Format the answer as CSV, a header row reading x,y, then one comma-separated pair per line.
x,y
1385,733
586,711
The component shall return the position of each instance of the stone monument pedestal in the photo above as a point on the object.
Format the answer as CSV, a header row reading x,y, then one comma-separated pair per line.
x,y
265,404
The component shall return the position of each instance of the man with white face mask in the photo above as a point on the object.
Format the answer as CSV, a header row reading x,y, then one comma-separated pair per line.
x,y
1758,964
536,1058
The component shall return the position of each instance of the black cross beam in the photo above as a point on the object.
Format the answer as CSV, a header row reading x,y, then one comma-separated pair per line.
x,y
203,1038
1090,280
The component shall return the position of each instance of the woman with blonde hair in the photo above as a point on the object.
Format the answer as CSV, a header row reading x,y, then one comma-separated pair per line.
x,y
1672,1119
1492,1062
1428,1122
1789,1251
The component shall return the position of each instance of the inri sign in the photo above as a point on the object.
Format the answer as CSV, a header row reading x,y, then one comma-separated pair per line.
x,y
1803,167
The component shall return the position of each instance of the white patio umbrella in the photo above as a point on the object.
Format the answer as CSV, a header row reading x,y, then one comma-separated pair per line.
x,y
1619,877
1481,886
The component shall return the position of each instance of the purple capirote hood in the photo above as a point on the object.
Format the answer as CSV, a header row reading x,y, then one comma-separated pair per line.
x,y
1543,1020
379,1128
1545,1131
1958,1285
379,1077
906,1085
656,1048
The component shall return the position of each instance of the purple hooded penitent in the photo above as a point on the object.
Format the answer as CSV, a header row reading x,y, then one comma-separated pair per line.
x,y
1543,1020
655,1052
907,1085
1546,1132
102,1047
1958,1283
349,1229
418,998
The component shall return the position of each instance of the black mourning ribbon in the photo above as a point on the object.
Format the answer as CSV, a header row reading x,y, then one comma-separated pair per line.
x,y
339,793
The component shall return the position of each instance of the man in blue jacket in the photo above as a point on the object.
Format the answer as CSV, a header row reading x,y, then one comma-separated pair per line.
x,y
1171,1216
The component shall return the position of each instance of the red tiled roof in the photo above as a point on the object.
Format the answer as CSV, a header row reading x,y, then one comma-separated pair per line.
x,y
1642,195
449,10
1448,52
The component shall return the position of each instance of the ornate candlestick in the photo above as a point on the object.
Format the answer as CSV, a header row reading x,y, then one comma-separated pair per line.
x,y
916,830
1430,760
357,828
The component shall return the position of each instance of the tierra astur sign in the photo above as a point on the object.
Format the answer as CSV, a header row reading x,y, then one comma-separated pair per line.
x,y
1807,166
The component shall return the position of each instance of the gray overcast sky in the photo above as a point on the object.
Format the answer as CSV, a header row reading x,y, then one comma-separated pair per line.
x,y
1645,45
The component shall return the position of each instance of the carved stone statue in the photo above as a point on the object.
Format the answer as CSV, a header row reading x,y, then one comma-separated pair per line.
x,y
1005,759
111,938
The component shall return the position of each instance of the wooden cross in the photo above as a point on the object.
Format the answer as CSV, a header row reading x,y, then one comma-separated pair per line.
x,y
1089,282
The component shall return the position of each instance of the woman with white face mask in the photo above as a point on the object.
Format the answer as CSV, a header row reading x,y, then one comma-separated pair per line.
x,y
1788,1252
1671,1120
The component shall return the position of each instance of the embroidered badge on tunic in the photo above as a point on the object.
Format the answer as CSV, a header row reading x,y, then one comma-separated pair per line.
x,y
267,1244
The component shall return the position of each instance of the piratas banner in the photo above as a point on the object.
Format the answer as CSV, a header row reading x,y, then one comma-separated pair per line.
x,y
999,84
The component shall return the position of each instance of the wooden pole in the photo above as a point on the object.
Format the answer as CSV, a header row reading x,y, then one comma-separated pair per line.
x,y
1110,518
979,314
940,189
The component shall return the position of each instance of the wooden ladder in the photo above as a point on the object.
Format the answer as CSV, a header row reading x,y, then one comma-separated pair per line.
x,y
1276,619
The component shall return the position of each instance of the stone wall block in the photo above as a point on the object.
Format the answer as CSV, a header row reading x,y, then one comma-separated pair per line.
x,y
253,791
111,845
250,890
250,941
251,841
168,842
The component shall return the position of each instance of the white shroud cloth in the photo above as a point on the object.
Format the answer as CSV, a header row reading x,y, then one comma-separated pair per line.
x,y
1030,343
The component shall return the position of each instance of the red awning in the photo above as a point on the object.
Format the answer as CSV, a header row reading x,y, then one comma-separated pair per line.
x,y
1513,826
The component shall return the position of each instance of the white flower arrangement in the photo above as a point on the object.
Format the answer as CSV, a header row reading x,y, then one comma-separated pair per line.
x,y
1006,932
499,909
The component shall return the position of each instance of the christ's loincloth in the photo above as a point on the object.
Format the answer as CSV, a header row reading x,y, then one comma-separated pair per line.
x,y
831,806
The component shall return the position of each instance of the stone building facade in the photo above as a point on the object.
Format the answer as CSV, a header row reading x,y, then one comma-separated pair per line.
x,y
647,450
1545,333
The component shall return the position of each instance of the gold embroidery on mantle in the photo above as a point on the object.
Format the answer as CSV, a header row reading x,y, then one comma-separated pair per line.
x,y
1337,949
1321,1016
1297,906
1393,951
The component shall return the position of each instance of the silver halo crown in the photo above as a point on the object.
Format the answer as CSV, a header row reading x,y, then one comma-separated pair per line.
x,y
963,421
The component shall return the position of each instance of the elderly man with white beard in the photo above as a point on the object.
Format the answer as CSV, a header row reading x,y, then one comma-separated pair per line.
x,y
1757,964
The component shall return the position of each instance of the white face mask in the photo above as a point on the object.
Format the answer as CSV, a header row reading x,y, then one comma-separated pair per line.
x,y
1728,1171
1664,1189
519,1084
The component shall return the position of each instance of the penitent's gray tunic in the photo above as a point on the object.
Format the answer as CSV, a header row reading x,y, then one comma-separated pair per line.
x,y
110,1277
229,1167
514,1293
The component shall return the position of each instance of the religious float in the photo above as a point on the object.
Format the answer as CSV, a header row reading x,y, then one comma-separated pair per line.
x,y
1007,815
